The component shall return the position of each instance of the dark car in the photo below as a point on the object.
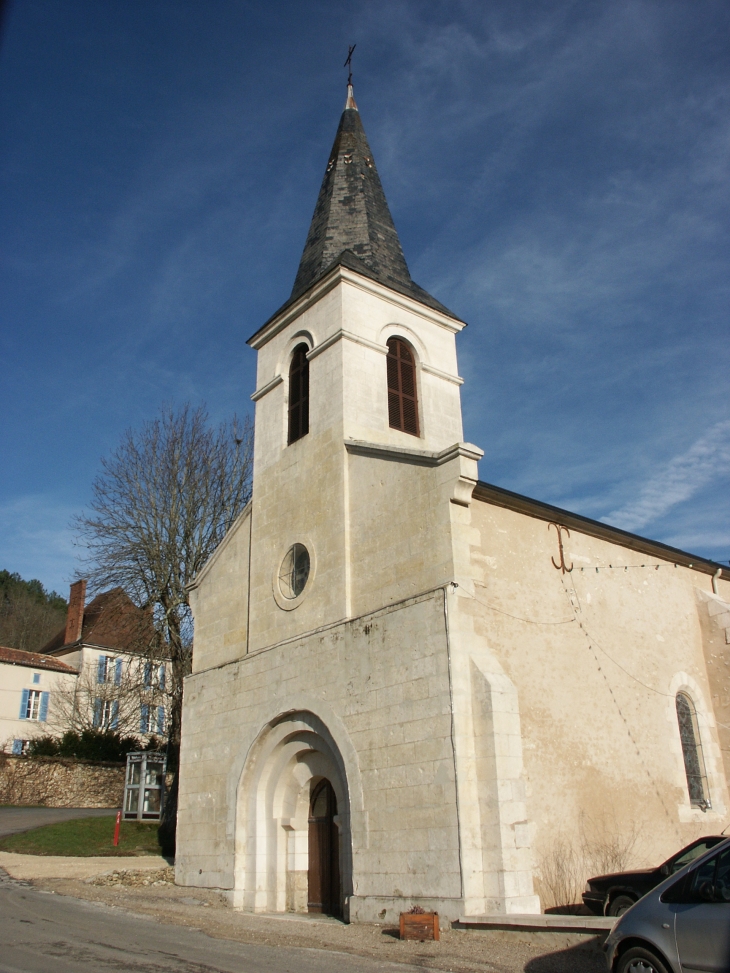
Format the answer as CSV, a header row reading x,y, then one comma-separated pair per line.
x,y
612,895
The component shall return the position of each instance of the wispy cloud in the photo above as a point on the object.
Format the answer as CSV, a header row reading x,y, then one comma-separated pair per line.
x,y
705,461
36,541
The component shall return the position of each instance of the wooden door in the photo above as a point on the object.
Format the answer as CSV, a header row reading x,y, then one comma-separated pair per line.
x,y
324,852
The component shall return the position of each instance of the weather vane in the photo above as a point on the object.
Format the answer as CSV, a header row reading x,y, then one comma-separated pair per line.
x,y
348,62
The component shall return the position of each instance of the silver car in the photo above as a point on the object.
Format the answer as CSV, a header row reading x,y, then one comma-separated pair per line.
x,y
680,926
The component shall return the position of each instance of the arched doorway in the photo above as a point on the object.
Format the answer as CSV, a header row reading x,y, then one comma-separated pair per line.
x,y
324,852
285,769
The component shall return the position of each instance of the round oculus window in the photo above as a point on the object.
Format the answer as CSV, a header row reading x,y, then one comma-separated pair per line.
x,y
294,571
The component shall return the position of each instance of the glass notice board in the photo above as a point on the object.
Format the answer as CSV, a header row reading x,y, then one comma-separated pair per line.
x,y
144,786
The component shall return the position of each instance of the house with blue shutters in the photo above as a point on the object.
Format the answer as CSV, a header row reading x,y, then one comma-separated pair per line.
x,y
103,670
27,682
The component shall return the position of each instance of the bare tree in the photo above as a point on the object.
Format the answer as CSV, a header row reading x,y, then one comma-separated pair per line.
x,y
128,701
163,502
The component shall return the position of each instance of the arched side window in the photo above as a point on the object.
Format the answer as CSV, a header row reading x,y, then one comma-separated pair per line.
x,y
694,762
402,401
299,394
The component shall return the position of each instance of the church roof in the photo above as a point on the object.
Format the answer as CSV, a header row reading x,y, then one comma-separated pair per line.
x,y
352,225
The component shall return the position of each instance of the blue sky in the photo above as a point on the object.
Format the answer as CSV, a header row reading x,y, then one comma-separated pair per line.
x,y
558,173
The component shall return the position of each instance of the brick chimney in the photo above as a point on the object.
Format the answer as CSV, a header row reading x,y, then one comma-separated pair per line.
x,y
75,616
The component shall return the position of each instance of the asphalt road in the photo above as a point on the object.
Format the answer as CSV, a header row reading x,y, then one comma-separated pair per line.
x,y
45,933
15,819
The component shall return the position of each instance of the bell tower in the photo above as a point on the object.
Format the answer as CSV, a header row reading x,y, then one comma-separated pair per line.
x,y
359,359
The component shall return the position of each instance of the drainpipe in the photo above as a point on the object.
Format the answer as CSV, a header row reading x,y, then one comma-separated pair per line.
x,y
715,576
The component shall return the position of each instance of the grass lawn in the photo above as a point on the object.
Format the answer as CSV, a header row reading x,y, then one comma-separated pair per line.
x,y
84,838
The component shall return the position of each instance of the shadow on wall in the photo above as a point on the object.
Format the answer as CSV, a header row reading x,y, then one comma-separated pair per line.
x,y
564,865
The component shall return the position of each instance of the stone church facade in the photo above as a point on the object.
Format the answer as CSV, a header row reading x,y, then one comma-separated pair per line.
x,y
409,686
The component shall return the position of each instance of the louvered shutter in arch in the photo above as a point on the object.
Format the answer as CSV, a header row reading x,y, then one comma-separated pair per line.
x,y
43,714
24,704
402,398
299,394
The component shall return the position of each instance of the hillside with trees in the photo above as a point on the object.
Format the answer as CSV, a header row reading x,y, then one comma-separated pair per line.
x,y
29,615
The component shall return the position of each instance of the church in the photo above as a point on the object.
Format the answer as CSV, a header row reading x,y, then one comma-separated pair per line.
x,y
411,687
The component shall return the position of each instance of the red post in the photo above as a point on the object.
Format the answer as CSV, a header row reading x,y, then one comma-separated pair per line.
x,y
116,828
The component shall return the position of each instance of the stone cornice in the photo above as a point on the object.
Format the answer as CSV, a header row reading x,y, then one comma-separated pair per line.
x,y
349,336
260,393
401,300
340,274
416,457
292,311
446,376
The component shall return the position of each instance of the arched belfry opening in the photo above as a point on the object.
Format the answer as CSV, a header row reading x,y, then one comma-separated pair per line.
x,y
293,846
323,878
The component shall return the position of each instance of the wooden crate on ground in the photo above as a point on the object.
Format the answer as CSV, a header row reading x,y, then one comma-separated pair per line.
x,y
419,925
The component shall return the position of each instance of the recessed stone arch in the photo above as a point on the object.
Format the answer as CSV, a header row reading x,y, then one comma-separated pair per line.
x,y
300,337
409,335
683,682
288,759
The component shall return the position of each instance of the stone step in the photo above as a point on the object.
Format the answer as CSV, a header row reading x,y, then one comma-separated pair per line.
x,y
589,925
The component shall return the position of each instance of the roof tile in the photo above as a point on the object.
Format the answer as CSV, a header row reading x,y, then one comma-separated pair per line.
x,y
34,660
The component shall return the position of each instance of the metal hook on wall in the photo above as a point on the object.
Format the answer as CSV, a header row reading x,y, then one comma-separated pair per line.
x,y
559,528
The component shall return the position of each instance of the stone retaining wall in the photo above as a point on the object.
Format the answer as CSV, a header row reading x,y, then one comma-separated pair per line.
x,y
60,782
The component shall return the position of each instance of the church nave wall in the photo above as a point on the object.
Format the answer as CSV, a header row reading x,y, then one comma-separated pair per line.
x,y
597,658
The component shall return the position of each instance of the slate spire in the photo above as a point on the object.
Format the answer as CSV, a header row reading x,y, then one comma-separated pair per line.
x,y
352,224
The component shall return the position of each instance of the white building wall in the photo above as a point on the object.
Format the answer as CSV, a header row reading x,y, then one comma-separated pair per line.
x,y
13,680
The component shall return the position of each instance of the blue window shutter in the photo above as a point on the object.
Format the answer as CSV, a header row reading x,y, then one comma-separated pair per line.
x,y
144,719
43,715
162,677
24,705
101,668
118,673
160,720
115,714
97,712
147,675
17,747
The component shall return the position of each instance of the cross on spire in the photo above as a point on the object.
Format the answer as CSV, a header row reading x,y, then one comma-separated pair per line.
x,y
348,62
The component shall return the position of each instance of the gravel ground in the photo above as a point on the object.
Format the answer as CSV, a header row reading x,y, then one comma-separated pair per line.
x,y
152,893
